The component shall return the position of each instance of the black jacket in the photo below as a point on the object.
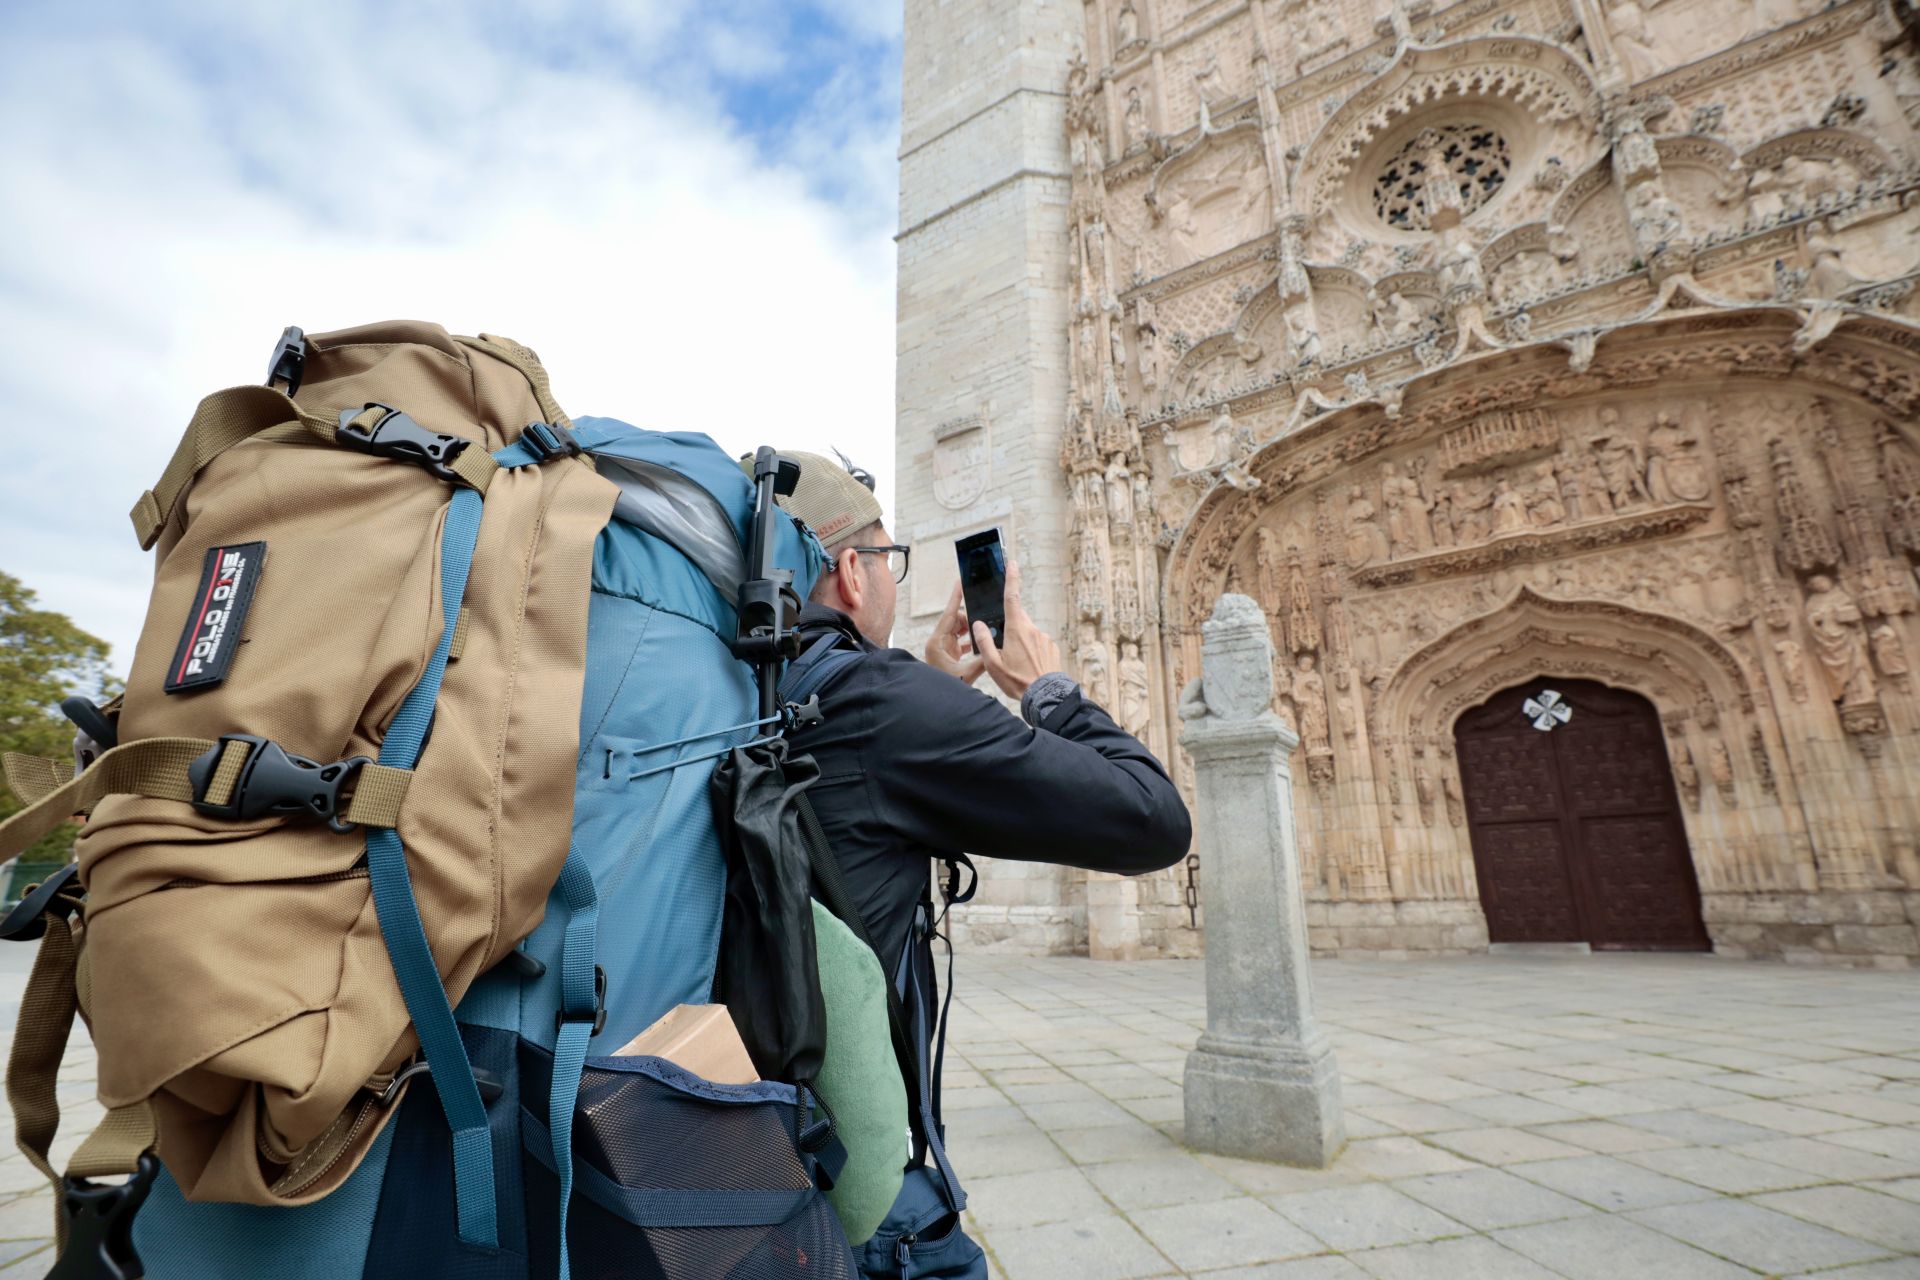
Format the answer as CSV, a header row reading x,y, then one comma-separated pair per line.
x,y
915,765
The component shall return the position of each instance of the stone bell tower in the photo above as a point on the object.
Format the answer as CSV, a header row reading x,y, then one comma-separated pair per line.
x,y
982,369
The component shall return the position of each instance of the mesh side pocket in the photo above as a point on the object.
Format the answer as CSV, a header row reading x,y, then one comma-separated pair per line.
x,y
676,1178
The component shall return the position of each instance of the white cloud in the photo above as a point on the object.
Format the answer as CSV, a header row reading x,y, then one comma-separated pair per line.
x,y
179,189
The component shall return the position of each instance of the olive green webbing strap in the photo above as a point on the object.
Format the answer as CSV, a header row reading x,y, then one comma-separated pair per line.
x,y
157,768
529,365
221,421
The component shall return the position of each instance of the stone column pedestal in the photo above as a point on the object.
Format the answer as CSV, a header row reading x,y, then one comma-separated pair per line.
x,y
1262,1082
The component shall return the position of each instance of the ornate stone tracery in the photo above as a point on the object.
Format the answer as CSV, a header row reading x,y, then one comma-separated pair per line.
x,y
1491,340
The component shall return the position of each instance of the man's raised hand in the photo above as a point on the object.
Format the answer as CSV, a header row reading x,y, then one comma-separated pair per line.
x,y
948,648
1028,652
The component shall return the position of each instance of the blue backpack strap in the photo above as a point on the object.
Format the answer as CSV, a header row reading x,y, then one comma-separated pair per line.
x,y
817,664
399,914
582,1013
392,886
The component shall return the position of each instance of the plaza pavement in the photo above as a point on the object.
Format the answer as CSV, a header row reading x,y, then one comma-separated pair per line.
x,y
1640,1117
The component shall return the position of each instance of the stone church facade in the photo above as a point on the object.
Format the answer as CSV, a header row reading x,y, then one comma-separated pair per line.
x,y
1547,371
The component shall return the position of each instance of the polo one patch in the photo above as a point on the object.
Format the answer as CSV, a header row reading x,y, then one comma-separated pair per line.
x,y
219,613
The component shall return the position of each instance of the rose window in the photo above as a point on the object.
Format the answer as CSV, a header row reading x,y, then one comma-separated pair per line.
x,y
1476,162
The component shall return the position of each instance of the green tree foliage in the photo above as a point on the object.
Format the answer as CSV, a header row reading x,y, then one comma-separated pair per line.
x,y
44,658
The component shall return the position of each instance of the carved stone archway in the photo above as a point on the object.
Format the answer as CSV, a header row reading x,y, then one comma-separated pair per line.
x,y
1704,596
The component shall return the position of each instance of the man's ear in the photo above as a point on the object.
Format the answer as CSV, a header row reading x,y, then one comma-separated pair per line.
x,y
852,587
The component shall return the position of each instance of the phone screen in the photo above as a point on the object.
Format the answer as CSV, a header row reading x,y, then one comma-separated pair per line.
x,y
983,580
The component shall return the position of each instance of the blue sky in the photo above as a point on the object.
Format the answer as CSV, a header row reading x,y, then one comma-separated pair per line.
x,y
686,206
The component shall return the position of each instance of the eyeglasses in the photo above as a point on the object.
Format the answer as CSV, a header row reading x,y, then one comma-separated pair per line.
x,y
896,555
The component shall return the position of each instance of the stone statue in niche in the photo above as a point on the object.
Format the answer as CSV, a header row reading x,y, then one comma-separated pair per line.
x,y
1655,218
1127,25
1826,276
1685,775
1135,690
1309,693
1566,470
1808,181
1209,88
1409,531
1303,335
1303,629
1440,517
1423,789
1139,132
1509,509
1889,652
1346,703
1269,561
1119,494
1450,792
1833,620
1631,40
1621,463
1544,507
1149,342
1404,317
1793,666
1083,124
1462,279
1472,514
1439,190
1092,660
1720,768
1366,542
1675,470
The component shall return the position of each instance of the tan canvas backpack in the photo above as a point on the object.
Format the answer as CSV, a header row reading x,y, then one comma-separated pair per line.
x,y
230,961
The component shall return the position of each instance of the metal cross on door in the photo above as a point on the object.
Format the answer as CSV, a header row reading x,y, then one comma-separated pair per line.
x,y
1575,823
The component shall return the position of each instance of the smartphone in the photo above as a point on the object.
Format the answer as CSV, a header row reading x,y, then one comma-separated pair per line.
x,y
983,580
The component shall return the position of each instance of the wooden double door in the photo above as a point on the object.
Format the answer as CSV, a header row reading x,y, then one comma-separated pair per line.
x,y
1576,826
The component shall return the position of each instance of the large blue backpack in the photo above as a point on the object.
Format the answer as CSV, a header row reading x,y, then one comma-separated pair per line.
x,y
646,1170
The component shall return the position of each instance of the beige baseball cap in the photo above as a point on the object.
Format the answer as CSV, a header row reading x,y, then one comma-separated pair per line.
x,y
831,500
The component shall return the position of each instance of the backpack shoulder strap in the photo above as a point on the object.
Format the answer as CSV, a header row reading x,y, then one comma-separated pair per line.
x,y
819,662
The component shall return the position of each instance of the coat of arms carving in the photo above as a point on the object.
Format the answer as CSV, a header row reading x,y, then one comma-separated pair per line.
x,y
961,462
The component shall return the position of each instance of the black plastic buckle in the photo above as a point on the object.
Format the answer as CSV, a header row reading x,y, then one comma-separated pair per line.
x,y
560,1018
28,919
547,440
272,781
100,1226
289,360
803,715
394,435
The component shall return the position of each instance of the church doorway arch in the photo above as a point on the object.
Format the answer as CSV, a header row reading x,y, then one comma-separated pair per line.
x,y
1574,819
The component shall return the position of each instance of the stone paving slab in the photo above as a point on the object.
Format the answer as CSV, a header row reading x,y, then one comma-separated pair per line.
x,y
1512,1118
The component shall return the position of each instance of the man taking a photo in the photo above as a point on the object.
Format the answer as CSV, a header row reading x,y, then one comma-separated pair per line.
x,y
916,766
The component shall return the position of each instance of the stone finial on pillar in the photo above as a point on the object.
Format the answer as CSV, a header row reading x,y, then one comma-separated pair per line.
x,y
1262,1082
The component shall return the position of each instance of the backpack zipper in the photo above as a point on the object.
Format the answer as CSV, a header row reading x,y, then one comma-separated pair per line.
x,y
346,1144
358,871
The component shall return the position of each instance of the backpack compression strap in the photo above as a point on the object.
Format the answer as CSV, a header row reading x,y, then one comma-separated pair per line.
x,y
164,768
158,768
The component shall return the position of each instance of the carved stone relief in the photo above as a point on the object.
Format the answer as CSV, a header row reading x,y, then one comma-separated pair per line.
x,y
1473,345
